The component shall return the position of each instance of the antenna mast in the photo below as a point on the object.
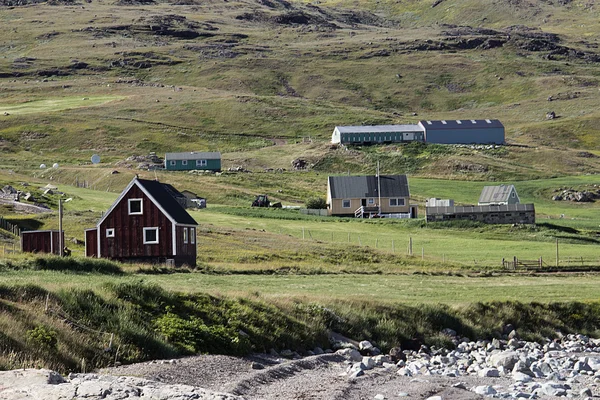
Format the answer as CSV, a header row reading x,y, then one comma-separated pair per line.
x,y
378,189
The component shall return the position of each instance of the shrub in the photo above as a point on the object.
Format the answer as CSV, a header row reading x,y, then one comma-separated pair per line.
x,y
316,203
42,337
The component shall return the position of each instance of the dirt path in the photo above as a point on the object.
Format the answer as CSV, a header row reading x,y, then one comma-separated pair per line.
x,y
315,378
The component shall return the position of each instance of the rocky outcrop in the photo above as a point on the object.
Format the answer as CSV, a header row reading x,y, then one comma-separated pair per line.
x,y
36,384
583,196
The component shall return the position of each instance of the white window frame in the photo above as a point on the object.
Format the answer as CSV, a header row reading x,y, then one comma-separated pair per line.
x,y
129,201
371,201
192,235
110,232
184,162
400,202
185,234
201,163
155,229
344,203
172,162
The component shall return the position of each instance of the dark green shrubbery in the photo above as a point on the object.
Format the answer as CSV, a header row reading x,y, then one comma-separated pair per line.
x,y
316,203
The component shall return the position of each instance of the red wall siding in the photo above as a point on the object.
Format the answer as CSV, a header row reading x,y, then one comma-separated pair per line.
x,y
39,242
129,236
91,243
186,251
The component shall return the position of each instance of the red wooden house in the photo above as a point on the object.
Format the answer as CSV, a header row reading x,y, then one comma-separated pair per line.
x,y
145,224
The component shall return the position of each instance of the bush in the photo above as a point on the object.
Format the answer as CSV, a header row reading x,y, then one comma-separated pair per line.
x,y
42,338
316,203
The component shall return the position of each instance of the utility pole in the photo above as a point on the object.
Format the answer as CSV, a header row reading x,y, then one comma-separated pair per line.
x,y
60,228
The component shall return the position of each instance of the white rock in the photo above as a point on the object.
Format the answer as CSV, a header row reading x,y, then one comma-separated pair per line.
x,y
365,345
485,390
379,397
505,359
351,354
521,377
489,373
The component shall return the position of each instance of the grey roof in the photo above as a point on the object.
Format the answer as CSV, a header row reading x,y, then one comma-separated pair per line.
x,y
194,155
379,128
479,209
353,187
494,194
462,124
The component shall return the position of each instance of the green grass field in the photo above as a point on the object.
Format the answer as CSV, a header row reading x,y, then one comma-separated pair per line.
x,y
54,105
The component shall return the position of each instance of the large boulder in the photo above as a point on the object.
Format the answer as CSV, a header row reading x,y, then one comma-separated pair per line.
x,y
505,359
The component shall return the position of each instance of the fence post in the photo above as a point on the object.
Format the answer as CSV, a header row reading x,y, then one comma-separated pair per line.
x,y
302,233
422,253
359,243
514,262
541,262
393,249
410,246
377,243
556,253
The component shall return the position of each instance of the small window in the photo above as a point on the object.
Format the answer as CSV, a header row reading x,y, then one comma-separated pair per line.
x,y
193,235
346,203
135,207
183,162
371,201
201,163
185,235
173,162
396,202
513,195
150,235
110,232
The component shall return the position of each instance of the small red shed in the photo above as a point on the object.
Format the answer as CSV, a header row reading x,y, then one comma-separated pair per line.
x,y
145,224
41,241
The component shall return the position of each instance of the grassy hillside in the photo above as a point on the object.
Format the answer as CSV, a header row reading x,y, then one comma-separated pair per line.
x,y
256,79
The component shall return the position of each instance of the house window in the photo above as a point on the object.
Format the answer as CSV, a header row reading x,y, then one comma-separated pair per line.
x,y
345,203
135,207
193,235
183,162
200,163
371,201
151,235
396,202
513,195
185,235
173,162
110,232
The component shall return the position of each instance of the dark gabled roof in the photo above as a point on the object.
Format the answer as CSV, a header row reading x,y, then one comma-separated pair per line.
x,y
163,194
494,194
461,124
352,187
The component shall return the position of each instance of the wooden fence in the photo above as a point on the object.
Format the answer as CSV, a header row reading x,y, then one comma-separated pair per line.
x,y
7,226
516,263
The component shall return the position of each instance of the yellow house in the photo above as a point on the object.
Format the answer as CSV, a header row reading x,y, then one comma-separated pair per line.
x,y
369,196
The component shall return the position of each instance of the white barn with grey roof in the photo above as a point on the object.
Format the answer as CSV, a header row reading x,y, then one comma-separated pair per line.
x,y
373,134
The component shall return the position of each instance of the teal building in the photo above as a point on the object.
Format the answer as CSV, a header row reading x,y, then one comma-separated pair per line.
x,y
187,161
